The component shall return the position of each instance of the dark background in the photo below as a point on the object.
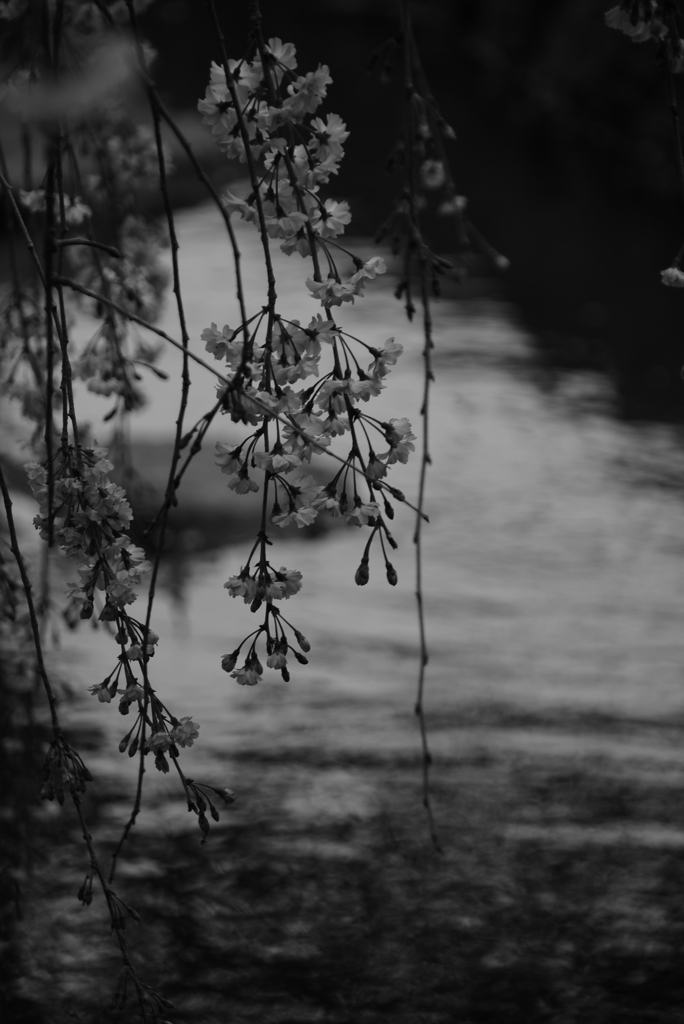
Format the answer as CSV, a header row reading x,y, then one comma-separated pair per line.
x,y
565,152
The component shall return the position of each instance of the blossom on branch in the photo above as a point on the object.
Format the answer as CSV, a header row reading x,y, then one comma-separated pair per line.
x,y
269,108
673,277
640,22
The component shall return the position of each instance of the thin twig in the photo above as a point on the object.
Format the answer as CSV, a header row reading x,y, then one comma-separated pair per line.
x,y
411,176
285,421
48,253
28,241
674,113
237,255
253,175
91,242
33,618
137,804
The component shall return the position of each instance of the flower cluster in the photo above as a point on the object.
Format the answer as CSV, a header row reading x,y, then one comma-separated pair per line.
x,y
88,516
306,421
134,279
333,291
108,369
63,769
137,645
23,350
300,387
641,20
155,729
166,733
183,734
91,246
277,648
200,801
121,159
673,277
75,210
266,584
645,20
272,107
291,426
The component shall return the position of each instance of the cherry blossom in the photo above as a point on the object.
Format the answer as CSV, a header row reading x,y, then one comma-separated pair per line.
x,y
648,25
673,277
271,360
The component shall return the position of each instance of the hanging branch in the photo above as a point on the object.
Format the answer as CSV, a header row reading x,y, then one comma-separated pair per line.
x,y
289,156
671,54
64,768
656,21
416,245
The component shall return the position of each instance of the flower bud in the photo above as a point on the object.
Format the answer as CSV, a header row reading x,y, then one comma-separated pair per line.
x,y
123,744
392,577
446,129
226,794
133,749
300,658
362,573
229,661
85,893
302,641
108,613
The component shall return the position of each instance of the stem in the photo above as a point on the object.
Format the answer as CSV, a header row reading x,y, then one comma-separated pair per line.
x,y
48,251
674,109
237,256
411,189
137,804
33,618
286,421
253,176
92,242
114,912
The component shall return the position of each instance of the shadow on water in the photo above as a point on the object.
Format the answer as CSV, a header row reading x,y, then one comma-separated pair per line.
x,y
558,896
210,518
21,742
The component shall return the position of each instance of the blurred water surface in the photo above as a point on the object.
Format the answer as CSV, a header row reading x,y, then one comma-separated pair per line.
x,y
553,559
554,591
